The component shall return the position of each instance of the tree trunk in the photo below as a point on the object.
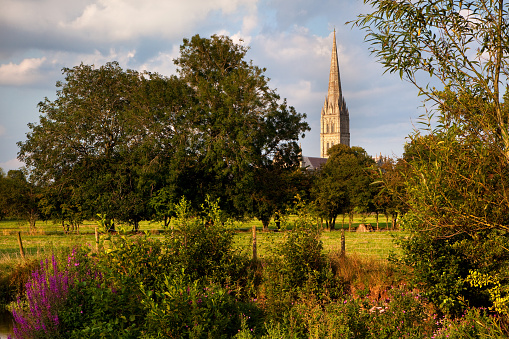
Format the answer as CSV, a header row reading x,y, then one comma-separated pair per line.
x,y
350,221
377,221
32,218
265,223
167,221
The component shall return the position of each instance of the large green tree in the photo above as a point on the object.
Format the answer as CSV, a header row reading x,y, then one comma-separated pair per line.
x,y
19,198
129,144
246,136
101,143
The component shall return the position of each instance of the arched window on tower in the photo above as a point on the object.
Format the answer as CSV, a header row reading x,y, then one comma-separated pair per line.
x,y
327,146
327,131
332,128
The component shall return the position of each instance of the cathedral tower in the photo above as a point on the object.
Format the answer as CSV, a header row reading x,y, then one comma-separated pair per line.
x,y
335,120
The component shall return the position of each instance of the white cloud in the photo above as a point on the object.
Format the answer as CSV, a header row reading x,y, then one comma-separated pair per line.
x,y
285,47
114,20
26,72
98,58
11,164
162,63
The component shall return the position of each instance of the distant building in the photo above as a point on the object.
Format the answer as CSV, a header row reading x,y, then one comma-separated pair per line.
x,y
312,163
335,119
380,159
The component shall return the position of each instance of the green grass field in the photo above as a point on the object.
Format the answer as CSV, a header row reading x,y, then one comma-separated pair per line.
x,y
49,237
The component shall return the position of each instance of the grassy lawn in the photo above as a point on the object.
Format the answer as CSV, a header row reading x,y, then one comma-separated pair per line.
x,y
49,237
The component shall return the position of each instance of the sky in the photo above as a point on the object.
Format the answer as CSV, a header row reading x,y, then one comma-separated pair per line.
x,y
292,39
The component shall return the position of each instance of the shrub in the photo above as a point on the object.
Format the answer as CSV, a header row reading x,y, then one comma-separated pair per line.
x,y
402,315
97,310
118,298
298,271
299,256
47,290
474,323
14,283
105,300
186,309
441,266
204,248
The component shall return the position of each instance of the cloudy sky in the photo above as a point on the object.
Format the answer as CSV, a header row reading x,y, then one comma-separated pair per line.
x,y
292,39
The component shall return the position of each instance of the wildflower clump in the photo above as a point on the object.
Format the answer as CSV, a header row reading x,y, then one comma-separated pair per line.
x,y
36,313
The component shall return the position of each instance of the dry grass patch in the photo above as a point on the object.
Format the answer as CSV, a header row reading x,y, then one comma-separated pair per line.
x,y
365,276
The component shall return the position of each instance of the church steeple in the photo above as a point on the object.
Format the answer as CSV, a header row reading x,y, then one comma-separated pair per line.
x,y
335,120
334,92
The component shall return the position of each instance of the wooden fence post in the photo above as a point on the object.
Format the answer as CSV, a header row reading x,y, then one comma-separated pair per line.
x,y
342,242
21,250
96,240
255,254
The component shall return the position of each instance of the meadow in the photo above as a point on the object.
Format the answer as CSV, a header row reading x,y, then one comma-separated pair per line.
x,y
49,237
194,284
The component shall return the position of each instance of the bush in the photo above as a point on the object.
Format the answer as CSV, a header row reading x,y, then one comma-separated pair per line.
x,y
129,283
441,266
474,323
37,315
204,248
14,283
298,271
187,309
402,315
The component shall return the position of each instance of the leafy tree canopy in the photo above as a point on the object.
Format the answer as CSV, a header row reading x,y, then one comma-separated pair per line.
x,y
344,182
128,144
463,45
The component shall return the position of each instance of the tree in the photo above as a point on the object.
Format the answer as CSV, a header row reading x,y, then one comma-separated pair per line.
x,y
461,45
243,129
19,198
127,144
456,168
343,183
391,198
3,198
101,141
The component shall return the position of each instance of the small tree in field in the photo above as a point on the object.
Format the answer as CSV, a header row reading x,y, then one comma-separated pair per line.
x,y
343,183
20,197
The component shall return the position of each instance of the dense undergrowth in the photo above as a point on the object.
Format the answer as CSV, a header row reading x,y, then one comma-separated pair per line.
x,y
194,284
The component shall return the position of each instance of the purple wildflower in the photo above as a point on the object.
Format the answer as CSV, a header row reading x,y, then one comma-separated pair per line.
x,y
46,293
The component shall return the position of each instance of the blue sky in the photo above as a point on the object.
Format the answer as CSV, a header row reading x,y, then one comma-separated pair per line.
x,y
292,39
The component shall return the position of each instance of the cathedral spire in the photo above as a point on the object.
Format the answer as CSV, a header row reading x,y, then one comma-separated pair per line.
x,y
335,120
334,93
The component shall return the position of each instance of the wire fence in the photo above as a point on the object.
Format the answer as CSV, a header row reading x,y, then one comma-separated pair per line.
x,y
370,244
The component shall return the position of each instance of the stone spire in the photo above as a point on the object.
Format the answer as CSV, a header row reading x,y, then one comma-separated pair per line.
x,y
334,92
335,120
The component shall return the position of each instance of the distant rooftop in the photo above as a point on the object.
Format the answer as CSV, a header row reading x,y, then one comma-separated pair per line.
x,y
313,163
